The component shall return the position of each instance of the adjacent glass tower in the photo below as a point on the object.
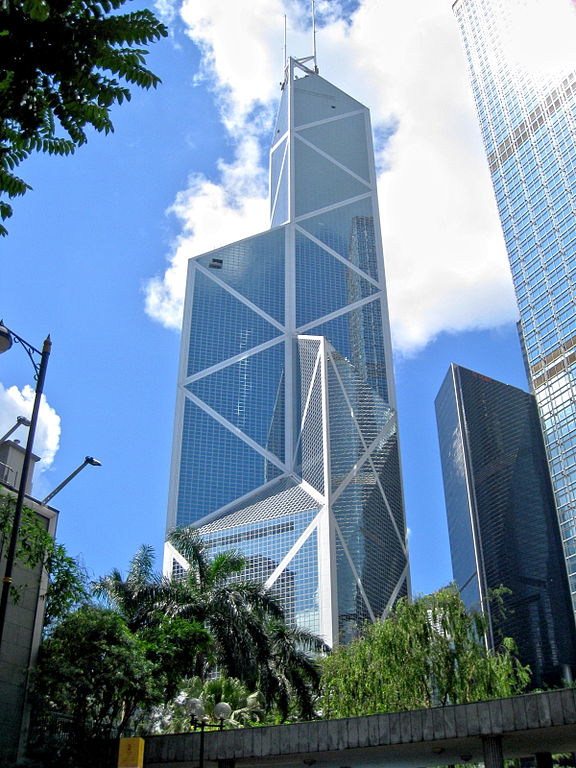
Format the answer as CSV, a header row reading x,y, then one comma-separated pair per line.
x,y
502,519
286,444
525,90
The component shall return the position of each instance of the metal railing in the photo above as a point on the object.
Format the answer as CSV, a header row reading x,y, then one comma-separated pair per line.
x,y
8,475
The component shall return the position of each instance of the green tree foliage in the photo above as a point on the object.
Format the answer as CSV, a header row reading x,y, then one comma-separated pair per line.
x,y
426,653
251,640
96,678
63,65
175,717
93,672
34,541
67,580
289,680
234,610
135,597
172,645
67,585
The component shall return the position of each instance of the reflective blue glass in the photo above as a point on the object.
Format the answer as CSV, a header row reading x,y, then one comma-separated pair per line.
x,y
348,230
278,160
225,326
208,444
345,141
286,437
250,395
528,121
324,284
316,100
320,182
254,268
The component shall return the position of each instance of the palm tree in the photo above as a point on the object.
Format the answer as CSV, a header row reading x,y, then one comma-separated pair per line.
x,y
252,641
136,597
234,610
291,678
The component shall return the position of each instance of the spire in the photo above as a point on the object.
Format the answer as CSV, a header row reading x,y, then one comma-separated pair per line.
x,y
303,63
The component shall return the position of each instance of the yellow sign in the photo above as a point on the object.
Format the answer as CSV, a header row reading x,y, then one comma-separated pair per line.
x,y
131,753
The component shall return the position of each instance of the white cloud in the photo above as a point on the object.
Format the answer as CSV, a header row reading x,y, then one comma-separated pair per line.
x,y
540,36
445,259
14,403
211,215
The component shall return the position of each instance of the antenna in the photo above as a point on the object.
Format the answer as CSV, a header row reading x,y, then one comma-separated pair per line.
x,y
285,36
314,36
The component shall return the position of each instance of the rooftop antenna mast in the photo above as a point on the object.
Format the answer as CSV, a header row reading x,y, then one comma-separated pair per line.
x,y
285,42
303,63
314,36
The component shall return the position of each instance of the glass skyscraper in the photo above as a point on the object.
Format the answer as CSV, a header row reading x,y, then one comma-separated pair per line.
x,y
502,519
286,444
524,85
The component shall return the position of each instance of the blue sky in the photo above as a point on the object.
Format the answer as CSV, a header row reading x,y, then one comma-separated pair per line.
x,y
96,252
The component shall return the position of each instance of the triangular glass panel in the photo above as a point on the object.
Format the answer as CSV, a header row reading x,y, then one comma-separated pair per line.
x,y
254,267
277,160
311,438
357,335
344,140
250,395
303,583
275,440
345,443
281,118
217,315
317,99
215,466
323,283
281,202
352,611
386,462
371,413
264,543
372,541
348,230
319,182
276,500
348,510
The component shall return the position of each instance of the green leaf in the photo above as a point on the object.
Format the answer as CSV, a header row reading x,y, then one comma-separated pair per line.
x,y
62,68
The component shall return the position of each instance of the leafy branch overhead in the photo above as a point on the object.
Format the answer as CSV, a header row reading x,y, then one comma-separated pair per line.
x,y
63,65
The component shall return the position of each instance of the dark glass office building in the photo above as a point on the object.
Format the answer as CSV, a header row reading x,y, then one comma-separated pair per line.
x,y
502,519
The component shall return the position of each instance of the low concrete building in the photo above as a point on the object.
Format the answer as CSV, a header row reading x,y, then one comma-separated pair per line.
x,y
25,616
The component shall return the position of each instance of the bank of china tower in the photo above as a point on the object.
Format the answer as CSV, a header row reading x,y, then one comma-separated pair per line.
x,y
286,444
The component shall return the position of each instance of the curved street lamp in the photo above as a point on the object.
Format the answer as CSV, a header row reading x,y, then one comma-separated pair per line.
x,y
20,421
7,339
88,460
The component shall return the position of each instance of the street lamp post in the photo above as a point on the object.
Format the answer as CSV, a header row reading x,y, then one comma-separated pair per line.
x,y
88,460
7,338
222,711
20,421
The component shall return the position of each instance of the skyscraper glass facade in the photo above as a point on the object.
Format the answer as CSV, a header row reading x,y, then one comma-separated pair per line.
x,y
524,82
502,519
286,443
